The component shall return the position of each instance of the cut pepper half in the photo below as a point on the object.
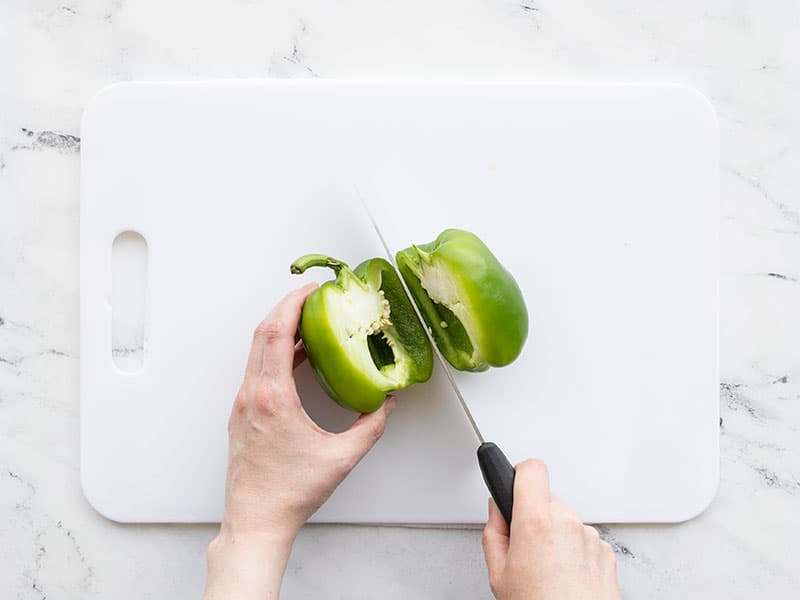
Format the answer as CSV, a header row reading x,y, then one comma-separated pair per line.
x,y
361,333
472,305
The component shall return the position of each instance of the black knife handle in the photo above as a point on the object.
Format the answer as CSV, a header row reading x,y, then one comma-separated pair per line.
x,y
498,474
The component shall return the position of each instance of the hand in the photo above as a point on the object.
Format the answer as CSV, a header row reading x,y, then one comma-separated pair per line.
x,y
550,554
281,465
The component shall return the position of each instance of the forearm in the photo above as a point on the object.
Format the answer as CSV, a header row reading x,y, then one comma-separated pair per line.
x,y
246,568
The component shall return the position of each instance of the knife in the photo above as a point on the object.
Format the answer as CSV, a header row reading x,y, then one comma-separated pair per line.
x,y
498,473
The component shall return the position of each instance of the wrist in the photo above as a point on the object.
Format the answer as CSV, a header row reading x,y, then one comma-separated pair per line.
x,y
251,563
243,534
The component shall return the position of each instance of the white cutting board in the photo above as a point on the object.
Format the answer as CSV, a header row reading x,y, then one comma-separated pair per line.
x,y
601,199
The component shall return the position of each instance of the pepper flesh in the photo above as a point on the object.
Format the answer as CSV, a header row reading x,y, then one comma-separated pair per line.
x,y
472,305
361,334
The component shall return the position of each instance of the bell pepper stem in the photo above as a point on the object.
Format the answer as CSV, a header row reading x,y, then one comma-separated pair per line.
x,y
316,260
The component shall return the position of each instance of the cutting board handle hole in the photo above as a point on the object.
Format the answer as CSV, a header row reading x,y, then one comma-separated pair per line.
x,y
129,301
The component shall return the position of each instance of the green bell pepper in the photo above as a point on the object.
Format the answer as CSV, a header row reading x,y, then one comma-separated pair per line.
x,y
361,333
474,308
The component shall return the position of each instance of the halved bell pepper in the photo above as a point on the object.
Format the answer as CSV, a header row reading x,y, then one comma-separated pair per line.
x,y
473,306
361,333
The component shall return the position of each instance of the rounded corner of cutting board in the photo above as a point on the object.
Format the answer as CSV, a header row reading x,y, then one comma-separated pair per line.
x,y
695,506
94,495
104,95
697,100
703,502
103,107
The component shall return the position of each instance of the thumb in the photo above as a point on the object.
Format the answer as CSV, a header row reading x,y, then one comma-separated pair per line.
x,y
495,542
368,429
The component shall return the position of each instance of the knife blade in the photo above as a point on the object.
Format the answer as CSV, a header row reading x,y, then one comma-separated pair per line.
x,y
497,471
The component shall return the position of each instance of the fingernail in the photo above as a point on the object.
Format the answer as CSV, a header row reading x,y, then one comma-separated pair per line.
x,y
391,403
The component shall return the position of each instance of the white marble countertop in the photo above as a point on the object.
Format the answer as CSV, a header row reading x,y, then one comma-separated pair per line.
x,y
55,54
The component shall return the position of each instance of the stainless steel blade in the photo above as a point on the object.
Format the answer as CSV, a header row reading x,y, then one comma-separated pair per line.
x,y
445,365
